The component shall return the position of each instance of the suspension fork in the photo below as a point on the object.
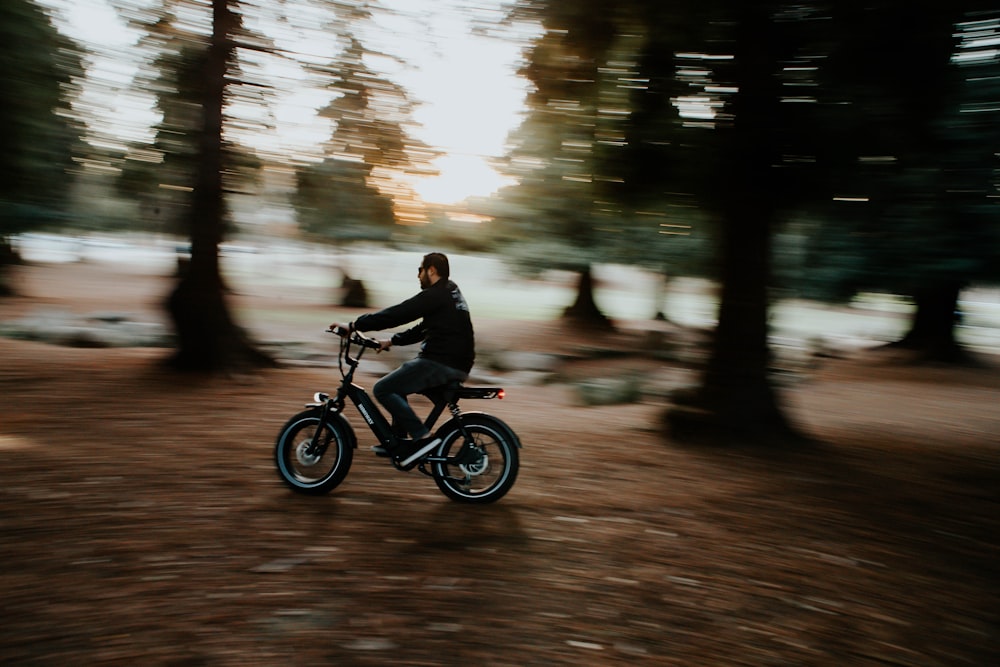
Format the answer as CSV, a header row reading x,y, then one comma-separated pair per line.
x,y
317,447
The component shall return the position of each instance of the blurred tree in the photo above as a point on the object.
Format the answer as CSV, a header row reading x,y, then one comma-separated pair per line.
x,y
205,74
756,109
162,175
671,238
349,196
345,197
703,116
736,396
559,216
335,203
913,134
38,138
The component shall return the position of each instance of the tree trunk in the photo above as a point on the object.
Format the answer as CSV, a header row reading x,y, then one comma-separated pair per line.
x,y
736,401
584,310
932,330
207,337
659,298
352,292
9,258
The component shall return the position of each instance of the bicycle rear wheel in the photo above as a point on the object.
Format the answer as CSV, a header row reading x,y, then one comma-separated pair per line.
x,y
485,471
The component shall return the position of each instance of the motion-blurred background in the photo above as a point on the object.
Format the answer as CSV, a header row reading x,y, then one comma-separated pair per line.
x,y
782,153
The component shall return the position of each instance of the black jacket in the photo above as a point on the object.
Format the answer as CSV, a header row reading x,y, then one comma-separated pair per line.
x,y
446,327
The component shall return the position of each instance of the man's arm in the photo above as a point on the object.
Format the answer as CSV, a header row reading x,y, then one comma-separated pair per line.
x,y
410,336
412,309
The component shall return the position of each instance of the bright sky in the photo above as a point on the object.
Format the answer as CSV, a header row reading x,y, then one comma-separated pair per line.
x,y
471,96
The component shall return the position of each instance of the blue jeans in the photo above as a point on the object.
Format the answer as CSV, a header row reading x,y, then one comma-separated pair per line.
x,y
412,377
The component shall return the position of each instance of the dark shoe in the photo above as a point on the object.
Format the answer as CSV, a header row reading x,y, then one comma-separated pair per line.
x,y
381,450
401,445
408,455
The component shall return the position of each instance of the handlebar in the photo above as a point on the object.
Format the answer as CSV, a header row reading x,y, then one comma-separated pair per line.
x,y
355,337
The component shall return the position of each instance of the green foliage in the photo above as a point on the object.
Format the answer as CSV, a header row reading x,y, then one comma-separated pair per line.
x,y
555,152
881,149
608,169
160,177
335,203
910,155
37,137
451,231
371,116
343,198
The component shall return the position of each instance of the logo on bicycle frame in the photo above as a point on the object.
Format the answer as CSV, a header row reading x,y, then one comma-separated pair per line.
x,y
364,413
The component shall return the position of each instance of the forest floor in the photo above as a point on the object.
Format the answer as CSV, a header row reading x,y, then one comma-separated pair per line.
x,y
143,522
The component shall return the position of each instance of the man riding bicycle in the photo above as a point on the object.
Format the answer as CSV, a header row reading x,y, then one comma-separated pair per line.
x,y
446,354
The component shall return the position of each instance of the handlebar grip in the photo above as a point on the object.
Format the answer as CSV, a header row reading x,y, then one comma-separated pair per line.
x,y
356,337
365,341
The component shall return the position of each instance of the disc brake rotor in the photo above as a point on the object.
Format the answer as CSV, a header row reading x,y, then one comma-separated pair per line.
x,y
477,467
304,456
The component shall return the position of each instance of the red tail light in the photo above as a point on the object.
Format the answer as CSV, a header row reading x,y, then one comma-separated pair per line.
x,y
500,394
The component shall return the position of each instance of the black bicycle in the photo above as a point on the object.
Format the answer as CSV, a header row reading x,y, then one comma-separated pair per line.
x,y
476,462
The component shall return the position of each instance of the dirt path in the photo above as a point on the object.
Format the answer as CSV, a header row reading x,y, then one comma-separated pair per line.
x,y
143,523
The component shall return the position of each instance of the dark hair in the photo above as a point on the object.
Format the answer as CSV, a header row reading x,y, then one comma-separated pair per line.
x,y
439,261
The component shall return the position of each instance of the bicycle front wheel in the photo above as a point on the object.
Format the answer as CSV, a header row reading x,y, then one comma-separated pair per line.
x,y
310,464
486,469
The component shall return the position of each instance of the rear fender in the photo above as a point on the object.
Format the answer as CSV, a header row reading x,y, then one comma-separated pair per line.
x,y
472,418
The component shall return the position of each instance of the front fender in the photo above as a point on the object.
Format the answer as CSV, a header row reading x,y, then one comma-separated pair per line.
x,y
341,422
338,421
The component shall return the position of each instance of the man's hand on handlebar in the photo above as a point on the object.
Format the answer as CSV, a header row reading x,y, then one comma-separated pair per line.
x,y
347,329
340,329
